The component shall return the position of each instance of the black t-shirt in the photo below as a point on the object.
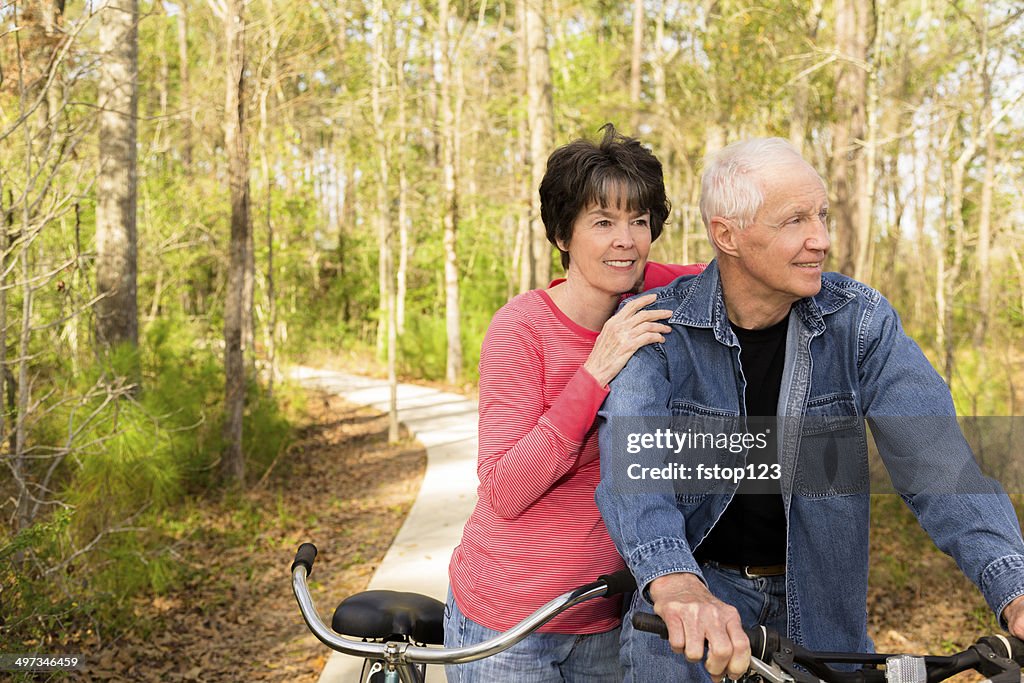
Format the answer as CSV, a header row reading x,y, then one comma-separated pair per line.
x,y
752,530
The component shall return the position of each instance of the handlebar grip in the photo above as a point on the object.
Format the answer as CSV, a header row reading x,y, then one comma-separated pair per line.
x,y
618,583
764,642
1016,649
999,645
305,556
651,623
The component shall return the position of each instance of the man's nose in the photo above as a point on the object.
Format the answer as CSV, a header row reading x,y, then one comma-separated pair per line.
x,y
819,239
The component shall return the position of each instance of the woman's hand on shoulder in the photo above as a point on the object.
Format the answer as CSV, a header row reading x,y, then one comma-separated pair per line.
x,y
624,333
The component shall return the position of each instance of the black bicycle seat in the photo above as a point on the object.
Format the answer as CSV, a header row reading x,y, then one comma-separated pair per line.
x,y
383,614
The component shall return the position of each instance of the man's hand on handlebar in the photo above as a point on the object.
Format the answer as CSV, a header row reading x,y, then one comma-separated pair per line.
x,y
693,615
1014,616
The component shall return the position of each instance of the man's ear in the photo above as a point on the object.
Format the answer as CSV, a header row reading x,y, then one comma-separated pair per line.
x,y
724,233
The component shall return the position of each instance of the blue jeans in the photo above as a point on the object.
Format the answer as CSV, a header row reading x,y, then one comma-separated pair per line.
x,y
647,658
539,658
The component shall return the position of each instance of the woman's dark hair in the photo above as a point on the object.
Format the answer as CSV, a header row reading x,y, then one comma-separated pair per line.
x,y
582,173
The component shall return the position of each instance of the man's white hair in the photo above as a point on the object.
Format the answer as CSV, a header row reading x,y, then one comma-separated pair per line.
x,y
731,186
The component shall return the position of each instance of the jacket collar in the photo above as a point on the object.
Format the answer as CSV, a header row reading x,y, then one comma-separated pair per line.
x,y
701,303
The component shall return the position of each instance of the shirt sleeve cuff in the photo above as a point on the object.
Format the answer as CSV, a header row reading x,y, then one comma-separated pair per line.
x,y
1002,582
573,412
661,557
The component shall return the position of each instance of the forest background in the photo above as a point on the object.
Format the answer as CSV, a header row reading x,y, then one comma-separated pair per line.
x,y
196,194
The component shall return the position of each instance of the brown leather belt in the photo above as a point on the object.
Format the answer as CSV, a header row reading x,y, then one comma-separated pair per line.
x,y
753,571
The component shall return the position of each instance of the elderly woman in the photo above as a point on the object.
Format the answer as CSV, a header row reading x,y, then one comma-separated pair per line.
x,y
545,365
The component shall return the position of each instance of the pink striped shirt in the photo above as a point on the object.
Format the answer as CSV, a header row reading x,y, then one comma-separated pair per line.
x,y
536,531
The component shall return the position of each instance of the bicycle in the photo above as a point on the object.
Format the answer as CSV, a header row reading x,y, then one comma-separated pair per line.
x,y
776,659
396,629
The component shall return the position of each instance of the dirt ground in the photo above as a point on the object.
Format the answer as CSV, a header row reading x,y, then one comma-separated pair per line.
x,y
345,490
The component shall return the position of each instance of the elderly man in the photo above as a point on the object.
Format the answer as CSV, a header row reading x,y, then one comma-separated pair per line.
x,y
767,522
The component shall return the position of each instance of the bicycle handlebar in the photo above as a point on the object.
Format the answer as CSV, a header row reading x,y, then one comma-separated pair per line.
x,y
773,657
618,583
305,556
763,641
398,653
1011,646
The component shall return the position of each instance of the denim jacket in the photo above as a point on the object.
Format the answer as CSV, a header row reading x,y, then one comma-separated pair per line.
x,y
847,361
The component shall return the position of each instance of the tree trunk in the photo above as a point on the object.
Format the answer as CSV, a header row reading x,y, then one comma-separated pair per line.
x,y
6,220
849,164
450,208
249,299
951,264
386,252
273,41
23,385
117,320
987,185
401,275
523,171
7,442
798,118
920,160
350,217
658,62
1019,267
715,137
52,20
941,286
891,252
636,62
800,115
677,237
341,212
866,182
233,463
984,249
163,77
540,115
185,88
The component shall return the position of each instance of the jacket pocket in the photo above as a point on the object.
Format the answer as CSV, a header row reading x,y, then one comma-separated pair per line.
x,y
832,458
709,442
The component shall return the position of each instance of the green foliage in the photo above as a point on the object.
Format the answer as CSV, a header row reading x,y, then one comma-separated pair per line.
x,y
581,73
123,482
43,534
266,430
32,609
983,383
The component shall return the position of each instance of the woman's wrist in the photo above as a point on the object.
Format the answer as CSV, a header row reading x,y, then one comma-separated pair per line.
x,y
601,378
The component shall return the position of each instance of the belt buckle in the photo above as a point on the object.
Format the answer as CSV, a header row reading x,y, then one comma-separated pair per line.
x,y
759,574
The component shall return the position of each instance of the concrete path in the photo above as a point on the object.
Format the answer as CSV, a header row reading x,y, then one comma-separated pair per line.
x,y
446,424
